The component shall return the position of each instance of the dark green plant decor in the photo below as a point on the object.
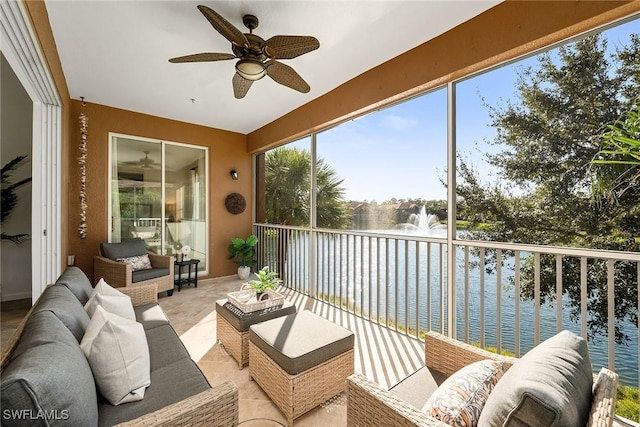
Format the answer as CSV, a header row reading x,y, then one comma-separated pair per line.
x,y
9,196
241,251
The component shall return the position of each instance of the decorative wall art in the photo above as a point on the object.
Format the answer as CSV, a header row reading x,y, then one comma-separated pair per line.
x,y
82,160
235,203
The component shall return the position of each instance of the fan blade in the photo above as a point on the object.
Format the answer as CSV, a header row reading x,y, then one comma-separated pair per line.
x,y
223,26
287,47
203,57
286,76
240,86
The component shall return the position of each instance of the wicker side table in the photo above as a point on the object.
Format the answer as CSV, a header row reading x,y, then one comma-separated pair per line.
x,y
232,326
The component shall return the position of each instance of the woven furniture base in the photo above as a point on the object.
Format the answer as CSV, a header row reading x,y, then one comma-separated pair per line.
x,y
236,343
296,395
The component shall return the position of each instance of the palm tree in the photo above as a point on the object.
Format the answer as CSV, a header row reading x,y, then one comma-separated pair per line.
x,y
288,195
9,196
618,161
288,190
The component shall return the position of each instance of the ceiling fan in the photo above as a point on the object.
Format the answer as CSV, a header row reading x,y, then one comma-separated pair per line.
x,y
144,162
257,57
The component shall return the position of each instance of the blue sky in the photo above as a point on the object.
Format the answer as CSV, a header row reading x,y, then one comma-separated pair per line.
x,y
401,151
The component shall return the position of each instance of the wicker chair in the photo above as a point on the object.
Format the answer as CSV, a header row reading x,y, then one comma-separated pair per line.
x,y
118,274
368,401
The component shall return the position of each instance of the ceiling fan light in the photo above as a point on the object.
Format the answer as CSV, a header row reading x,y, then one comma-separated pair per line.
x,y
251,69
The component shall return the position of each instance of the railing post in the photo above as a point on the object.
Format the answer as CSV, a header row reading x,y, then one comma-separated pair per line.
x,y
313,224
451,210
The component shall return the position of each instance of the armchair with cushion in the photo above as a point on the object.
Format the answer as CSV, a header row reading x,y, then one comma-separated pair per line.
x,y
116,266
551,385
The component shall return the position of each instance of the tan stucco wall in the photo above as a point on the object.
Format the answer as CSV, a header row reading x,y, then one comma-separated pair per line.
x,y
226,150
506,31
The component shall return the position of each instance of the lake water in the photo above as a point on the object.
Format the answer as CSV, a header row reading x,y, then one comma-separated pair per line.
x,y
354,269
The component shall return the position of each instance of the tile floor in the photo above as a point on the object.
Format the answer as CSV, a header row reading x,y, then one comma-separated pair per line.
x,y
381,354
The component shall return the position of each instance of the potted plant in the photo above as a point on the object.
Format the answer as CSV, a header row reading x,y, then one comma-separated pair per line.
x,y
241,252
266,280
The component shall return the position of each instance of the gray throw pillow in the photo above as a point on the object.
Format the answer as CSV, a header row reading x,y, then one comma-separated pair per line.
x,y
550,386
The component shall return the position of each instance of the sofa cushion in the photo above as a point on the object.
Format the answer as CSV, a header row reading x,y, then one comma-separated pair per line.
x,y
112,300
48,373
419,386
165,347
138,262
59,300
123,249
150,315
118,355
301,340
461,398
169,384
77,282
550,386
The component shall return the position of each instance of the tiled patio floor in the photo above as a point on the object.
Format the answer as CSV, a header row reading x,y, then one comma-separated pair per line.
x,y
381,354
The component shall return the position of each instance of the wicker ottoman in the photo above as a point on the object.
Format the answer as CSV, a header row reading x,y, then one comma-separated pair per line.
x,y
232,326
300,361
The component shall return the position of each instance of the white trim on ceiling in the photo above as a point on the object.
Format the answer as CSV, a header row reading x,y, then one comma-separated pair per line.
x,y
19,46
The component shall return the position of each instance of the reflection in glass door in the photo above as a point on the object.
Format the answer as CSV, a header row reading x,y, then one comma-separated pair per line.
x,y
159,194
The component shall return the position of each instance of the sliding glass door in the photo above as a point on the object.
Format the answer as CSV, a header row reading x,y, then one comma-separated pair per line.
x,y
159,194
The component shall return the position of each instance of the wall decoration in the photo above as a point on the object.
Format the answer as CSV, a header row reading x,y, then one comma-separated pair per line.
x,y
82,160
235,203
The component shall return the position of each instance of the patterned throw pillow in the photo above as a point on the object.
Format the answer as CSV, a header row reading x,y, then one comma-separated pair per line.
x,y
140,262
460,399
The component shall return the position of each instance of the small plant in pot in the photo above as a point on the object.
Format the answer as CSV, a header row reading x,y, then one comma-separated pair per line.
x,y
266,280
241,252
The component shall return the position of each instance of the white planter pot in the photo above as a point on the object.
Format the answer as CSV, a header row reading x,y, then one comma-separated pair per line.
x,y
244,272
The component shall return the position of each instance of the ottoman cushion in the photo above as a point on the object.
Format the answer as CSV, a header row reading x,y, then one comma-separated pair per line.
x,y
301,340
241,320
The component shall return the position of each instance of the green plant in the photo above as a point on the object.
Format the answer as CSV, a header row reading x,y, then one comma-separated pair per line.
x,y
627,403
266,280
9,196
241,251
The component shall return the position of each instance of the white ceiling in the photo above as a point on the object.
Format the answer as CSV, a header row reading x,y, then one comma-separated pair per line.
x,y
116,53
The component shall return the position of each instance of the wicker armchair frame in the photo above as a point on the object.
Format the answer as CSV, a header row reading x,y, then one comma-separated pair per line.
x,y
118,274
215,407
368,401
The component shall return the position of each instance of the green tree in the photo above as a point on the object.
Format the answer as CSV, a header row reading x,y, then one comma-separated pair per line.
x,y
288,190
617,164
548,137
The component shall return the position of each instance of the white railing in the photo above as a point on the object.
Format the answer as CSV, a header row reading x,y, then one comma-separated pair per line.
x,y
401,281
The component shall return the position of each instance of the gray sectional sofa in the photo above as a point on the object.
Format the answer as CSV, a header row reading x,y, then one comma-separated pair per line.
x,y
47,381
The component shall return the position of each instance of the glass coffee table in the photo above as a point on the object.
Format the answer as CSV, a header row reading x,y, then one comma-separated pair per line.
x,y
232,326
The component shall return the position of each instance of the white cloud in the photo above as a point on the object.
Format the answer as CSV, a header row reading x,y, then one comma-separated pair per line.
x,y
398,123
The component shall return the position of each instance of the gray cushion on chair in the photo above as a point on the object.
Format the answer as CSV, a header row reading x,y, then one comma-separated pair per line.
x,y
124,249
151,315
59,300
77,282
142,275
550,386
242,321
49,372
301,340
419,386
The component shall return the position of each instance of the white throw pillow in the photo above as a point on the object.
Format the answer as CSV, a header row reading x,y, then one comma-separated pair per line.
x,y
118,354
111,300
